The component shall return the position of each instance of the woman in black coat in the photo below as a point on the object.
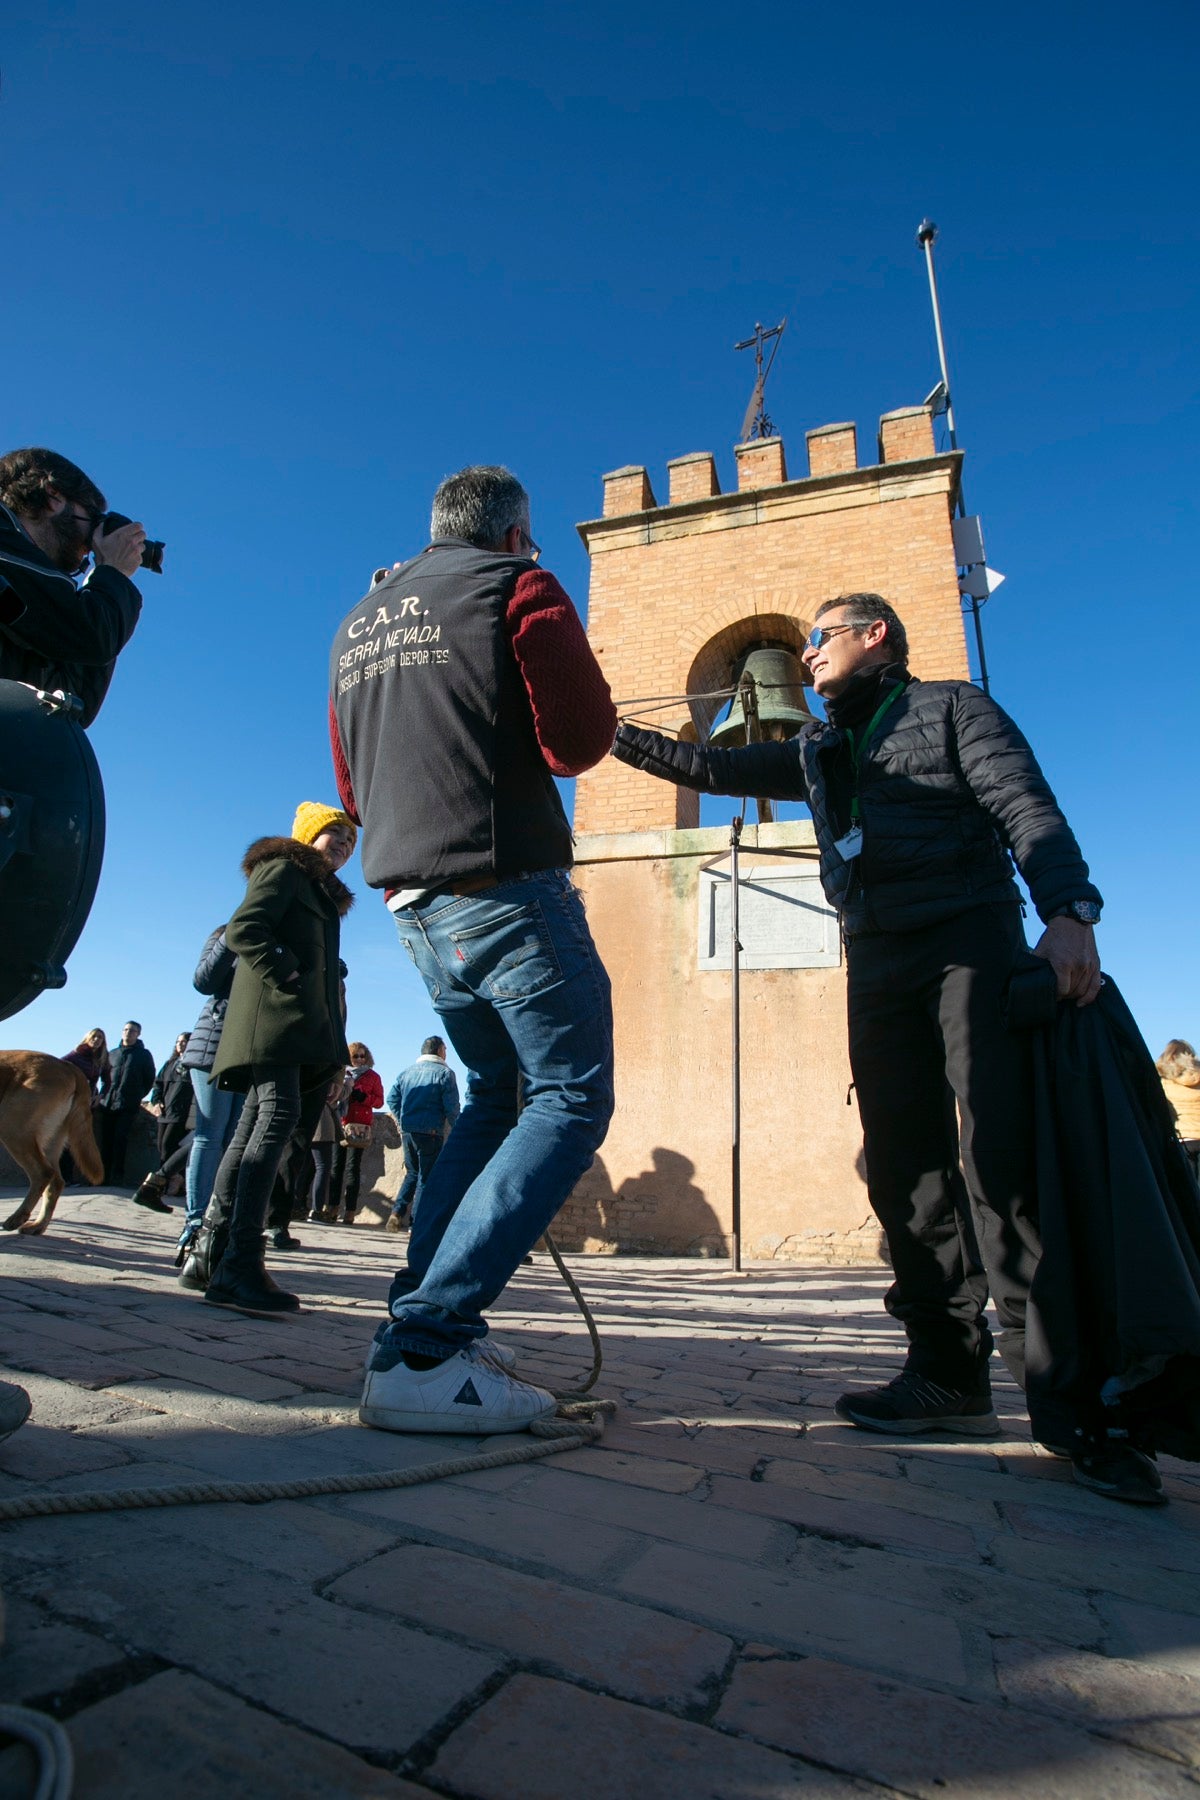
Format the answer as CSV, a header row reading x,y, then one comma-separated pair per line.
x,y
283,1038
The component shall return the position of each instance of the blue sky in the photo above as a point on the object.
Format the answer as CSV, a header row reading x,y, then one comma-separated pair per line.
x,y
273,270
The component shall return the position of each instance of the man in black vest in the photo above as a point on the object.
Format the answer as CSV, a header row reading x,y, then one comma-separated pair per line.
x,y
460,686
922,793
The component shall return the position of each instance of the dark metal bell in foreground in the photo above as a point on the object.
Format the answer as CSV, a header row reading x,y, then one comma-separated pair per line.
x,y
51,840
779,687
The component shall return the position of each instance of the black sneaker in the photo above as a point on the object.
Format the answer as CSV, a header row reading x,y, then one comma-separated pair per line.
x,y
1119,1472
283,1240
912,1403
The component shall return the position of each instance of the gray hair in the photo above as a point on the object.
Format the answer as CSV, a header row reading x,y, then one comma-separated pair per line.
x,y
865,610
480,504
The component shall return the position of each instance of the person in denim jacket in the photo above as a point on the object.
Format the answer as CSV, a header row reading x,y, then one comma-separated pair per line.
x,y
424,1103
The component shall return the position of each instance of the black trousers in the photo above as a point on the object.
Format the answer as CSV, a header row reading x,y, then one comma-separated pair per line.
x,y
347,1168
116,1123
945,1096
170,1134
280,1098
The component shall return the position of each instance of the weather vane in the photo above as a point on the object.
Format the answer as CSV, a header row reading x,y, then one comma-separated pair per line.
x,y
756,423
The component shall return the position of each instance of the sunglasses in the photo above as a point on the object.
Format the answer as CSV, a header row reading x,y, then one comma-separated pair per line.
x,y
821,634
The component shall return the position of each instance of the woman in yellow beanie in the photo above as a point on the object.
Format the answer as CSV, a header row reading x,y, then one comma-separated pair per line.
x,y
284,1038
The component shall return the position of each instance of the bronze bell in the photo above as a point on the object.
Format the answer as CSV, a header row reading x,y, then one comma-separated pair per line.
x,y
779,688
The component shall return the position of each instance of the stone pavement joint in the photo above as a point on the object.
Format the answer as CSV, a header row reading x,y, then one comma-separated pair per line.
x,y
736,1597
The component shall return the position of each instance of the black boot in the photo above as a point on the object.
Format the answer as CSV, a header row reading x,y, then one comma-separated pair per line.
x,y
150,1194
204,1252
241,1282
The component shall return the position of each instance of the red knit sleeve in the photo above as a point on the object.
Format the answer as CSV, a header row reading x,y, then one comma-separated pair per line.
x,y
341,768
373,1088
573,713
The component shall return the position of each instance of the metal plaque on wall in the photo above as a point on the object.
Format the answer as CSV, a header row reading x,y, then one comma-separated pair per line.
x,y
784,921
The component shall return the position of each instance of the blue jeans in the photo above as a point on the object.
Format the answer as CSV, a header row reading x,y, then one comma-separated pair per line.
x,y
217,1111
514,976
421,1151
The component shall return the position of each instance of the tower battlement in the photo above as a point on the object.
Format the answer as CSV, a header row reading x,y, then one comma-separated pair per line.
x,y
680,591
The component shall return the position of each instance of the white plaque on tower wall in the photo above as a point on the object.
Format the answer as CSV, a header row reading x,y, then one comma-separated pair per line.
x,y
784,921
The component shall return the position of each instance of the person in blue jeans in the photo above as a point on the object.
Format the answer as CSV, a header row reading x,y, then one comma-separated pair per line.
x,y
217,1109
424,1102
445,752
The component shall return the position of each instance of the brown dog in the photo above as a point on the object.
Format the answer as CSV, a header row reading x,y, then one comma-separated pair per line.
x,y
45,1107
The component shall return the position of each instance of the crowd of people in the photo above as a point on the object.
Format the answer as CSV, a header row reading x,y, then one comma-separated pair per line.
x,y
924,795
196,1119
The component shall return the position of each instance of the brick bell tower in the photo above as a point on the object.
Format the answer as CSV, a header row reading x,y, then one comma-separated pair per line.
x,y
679,593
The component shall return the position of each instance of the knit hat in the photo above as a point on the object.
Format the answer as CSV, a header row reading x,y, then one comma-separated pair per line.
x,y
312,818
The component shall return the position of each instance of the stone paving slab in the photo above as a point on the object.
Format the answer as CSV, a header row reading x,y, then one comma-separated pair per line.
x,y
463,1518
44,1659
1152,1708
179,1732
1164,1638
736,1595
637,1653
931,1745
847,1517
979,1595
800,1613
540,1740
272,1641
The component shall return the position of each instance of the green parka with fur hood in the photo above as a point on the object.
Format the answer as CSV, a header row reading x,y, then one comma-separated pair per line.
x,y
288,925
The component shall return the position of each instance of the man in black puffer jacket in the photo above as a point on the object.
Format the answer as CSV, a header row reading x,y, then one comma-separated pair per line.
x,y
922,795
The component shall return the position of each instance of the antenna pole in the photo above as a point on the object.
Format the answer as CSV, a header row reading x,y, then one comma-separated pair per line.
x,y
926,234
735,971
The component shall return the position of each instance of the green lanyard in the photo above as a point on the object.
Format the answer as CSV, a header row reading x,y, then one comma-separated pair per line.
x,y
857,746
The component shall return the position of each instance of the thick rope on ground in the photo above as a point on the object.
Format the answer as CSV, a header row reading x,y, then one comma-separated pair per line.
x,y
549,1438
49,1743
578,1422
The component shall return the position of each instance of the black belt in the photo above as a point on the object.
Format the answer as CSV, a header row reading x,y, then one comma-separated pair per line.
x,y
475,885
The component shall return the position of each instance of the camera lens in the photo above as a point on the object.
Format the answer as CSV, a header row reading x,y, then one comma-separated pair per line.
x,y
152,552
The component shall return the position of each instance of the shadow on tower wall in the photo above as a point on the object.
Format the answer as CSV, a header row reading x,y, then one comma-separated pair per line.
x,y
659,1211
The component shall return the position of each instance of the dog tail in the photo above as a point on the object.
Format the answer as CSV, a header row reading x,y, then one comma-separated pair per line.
x,y
81,1139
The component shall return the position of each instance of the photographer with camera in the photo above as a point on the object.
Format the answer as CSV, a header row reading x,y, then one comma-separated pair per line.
x,y
53,633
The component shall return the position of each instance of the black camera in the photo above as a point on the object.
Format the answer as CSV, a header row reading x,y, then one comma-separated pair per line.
x,y
152,550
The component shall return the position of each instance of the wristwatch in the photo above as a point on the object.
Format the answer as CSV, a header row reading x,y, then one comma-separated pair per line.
x,y
1086,912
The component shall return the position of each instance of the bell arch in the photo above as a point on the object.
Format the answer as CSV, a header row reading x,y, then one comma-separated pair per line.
x,y
714,661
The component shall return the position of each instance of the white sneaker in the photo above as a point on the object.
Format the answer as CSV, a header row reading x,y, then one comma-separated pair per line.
x,y
467,1392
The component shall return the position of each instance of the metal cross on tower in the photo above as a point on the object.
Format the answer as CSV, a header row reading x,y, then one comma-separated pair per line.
x,y
756,423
